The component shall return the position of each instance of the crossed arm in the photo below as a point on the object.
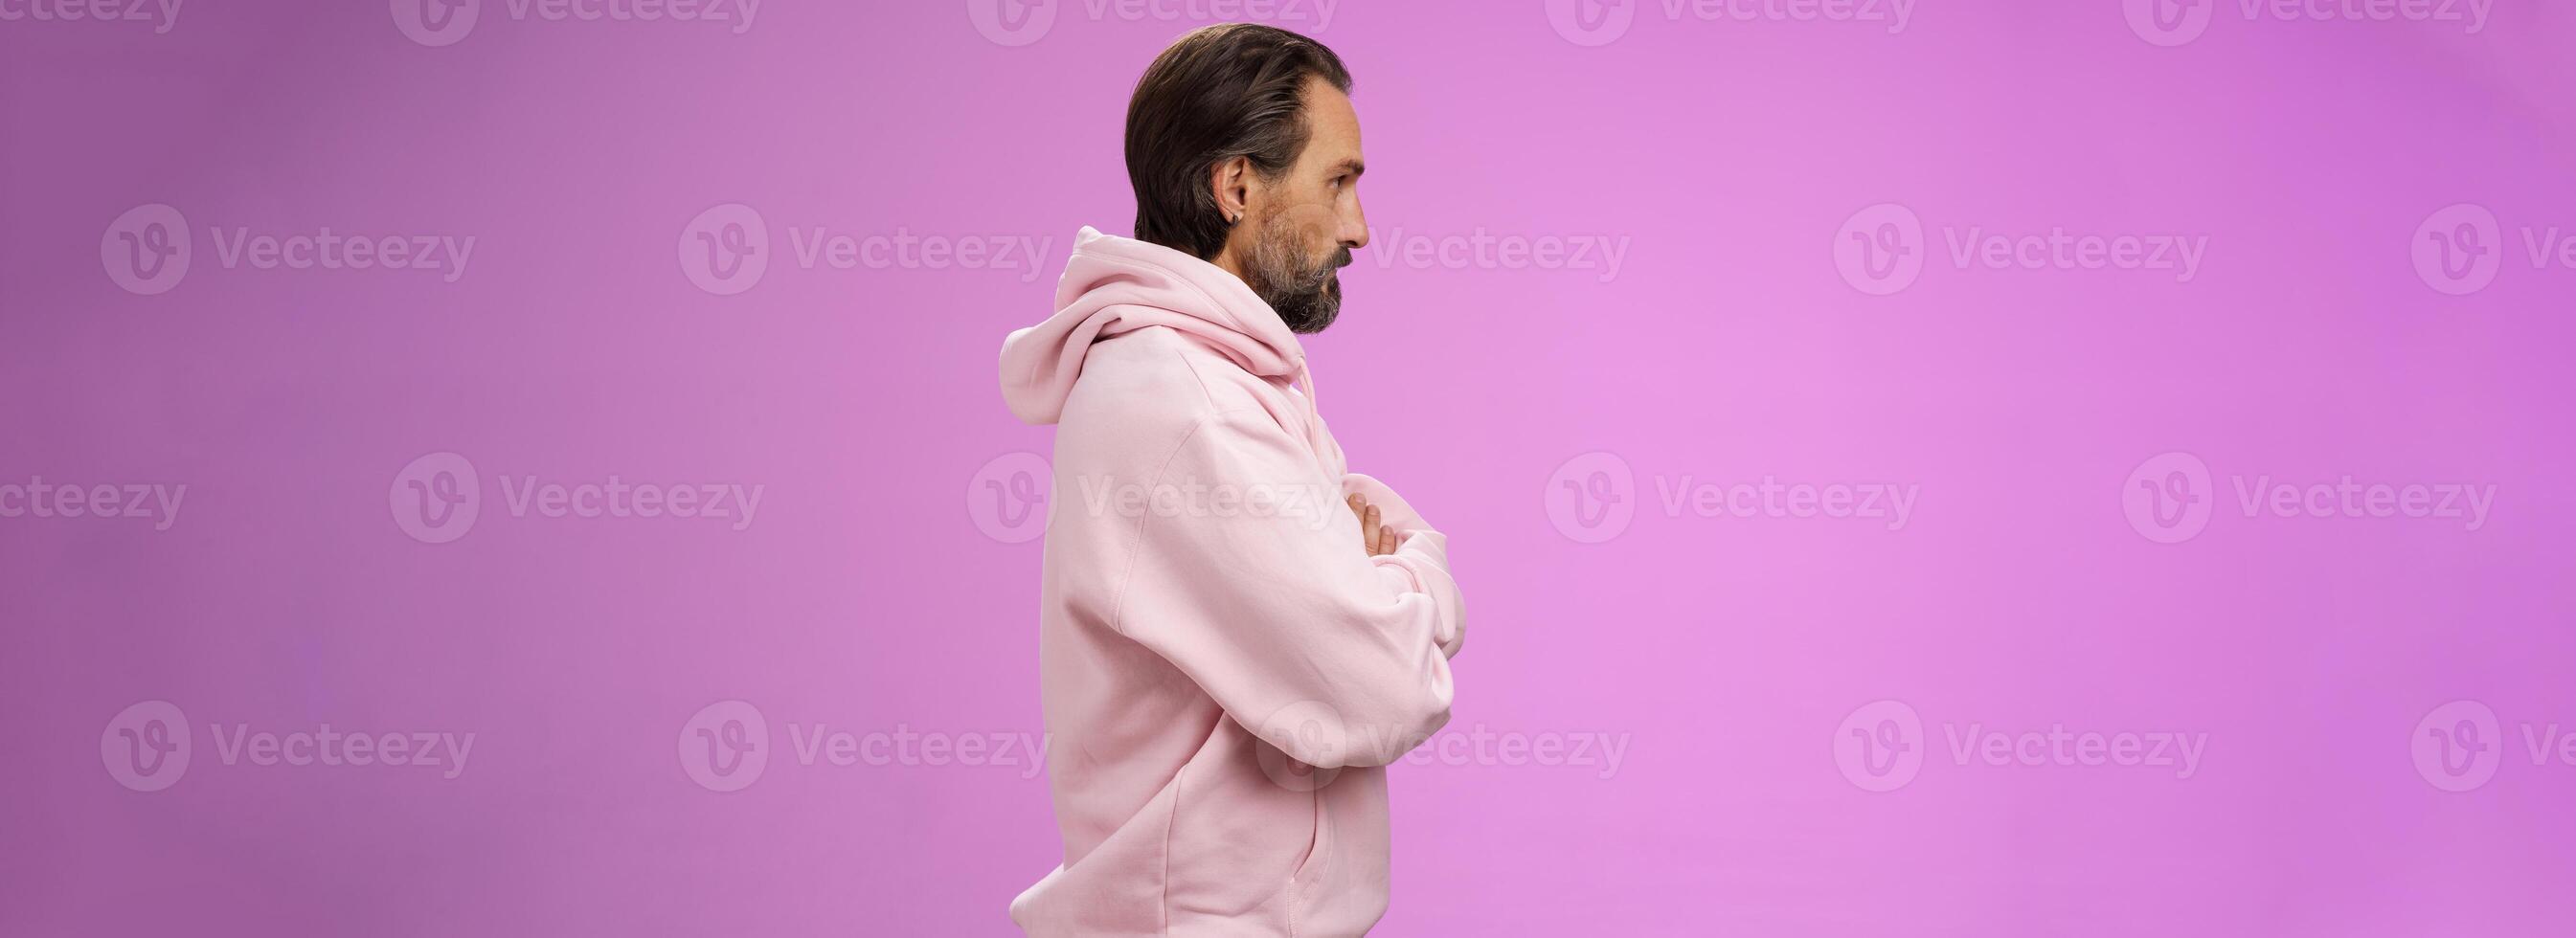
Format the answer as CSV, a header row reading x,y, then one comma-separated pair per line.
x,y
1272,613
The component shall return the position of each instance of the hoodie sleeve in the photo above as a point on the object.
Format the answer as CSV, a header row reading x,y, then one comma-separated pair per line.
x,y
1395,513
1249,576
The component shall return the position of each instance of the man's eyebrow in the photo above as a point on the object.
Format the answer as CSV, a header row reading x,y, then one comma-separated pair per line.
x,y
1353,167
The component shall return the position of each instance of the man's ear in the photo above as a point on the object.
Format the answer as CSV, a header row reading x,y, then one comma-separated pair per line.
x,y
1232,183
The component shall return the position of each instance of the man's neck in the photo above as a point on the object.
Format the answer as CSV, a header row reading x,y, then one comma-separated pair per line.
x,y
1224,260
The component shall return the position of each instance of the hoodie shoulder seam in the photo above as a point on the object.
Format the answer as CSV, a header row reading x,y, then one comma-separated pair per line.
x,y
1205,392
1136,542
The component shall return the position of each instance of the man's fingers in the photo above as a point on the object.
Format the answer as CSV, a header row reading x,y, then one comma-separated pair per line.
x,y
1376,539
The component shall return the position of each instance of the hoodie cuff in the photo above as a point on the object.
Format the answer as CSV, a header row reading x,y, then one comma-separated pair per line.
x,y
1423,561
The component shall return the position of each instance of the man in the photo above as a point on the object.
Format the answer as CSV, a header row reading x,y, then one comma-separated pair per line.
x,y
1236,633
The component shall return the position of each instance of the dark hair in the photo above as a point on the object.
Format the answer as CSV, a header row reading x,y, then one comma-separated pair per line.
x,y
1223,91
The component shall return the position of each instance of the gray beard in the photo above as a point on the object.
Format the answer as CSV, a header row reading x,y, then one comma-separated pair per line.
x,y
1307,296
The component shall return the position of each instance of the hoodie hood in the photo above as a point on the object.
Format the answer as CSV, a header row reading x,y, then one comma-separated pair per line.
x,y
1115,285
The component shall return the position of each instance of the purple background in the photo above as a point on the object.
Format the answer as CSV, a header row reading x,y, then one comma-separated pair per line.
x,y
877,590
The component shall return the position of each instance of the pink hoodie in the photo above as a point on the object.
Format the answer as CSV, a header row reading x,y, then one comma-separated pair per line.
x,y
1204,583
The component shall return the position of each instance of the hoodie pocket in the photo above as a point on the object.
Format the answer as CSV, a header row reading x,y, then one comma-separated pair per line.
x,y
1311,869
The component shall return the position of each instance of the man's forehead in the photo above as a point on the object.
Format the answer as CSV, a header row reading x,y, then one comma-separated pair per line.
x,y
1331,120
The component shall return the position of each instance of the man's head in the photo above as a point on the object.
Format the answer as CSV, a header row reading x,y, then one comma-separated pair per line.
x,y
1245,152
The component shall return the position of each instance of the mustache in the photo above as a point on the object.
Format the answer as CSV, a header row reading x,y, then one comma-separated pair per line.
x,y
1325,272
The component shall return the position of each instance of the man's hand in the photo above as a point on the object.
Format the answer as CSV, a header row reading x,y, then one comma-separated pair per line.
x,y
1376,539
